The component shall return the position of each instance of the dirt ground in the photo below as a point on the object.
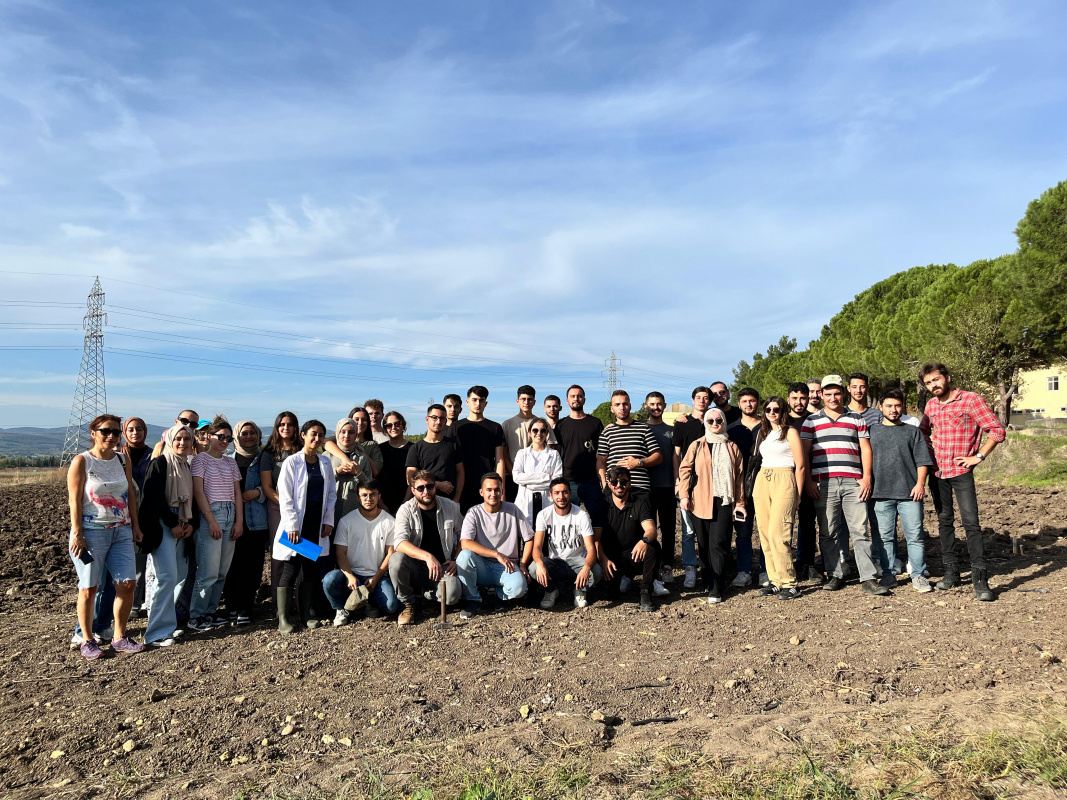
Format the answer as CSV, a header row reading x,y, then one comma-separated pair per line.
x,y
244,710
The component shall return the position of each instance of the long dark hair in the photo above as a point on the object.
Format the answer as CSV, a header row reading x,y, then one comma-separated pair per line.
x,y
369,435
275,444
783,418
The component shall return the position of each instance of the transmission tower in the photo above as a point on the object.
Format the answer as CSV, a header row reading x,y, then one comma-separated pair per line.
x,y
90,396
612,372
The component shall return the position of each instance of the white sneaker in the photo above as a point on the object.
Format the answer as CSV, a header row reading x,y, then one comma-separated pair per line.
x,y
690,578
624,584
659,590
666,575
764,579
550,599
76,641
168,642
579,598
898,567
106,633
340,618
742,579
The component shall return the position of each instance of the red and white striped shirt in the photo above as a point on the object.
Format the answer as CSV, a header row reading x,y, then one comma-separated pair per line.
x,y
219,475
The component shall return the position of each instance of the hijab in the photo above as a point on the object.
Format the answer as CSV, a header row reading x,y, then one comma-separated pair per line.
x,y
341,423
247,452
126,448
179,478
722,468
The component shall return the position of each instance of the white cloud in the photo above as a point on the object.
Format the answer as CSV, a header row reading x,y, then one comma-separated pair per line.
x,y
80,231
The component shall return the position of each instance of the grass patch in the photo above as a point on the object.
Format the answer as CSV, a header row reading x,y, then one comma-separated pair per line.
x,y
22,476
1028,461
929,763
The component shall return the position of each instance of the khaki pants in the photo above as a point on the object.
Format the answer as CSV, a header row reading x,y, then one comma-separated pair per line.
x,y
775,496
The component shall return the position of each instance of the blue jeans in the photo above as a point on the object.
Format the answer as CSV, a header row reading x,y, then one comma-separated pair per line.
x,y
171,566
335,585
591,495
213,557
689,540
911,520
743,536
475,570
112,551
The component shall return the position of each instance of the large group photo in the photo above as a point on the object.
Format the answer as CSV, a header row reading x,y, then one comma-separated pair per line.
x,y
582,401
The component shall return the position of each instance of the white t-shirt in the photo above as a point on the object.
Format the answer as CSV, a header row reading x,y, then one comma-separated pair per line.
x,y
366,539
565,536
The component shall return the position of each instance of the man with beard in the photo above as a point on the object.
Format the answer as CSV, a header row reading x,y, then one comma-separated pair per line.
x,y
564,550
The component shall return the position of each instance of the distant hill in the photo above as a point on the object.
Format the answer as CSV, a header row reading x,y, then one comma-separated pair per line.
x,y
46,441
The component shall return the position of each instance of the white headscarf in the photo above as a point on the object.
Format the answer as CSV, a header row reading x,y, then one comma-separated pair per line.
x,y
179,479
722,468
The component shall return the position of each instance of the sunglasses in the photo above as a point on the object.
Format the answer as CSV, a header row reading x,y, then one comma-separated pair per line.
x,y
185,421
537,431
772,410
715,421
394,425
425,487
225,438
106,432
620,482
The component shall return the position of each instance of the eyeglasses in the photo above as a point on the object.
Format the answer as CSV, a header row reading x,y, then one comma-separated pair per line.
x,y
620,482
106,432
223,437
185,421
436,418
772,410
394,425
424,487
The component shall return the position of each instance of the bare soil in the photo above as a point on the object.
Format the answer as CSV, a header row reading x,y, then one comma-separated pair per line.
x,y
245,710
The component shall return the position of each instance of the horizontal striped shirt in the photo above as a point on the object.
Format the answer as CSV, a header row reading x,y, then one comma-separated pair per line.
x,y
835,444
219,476
624,441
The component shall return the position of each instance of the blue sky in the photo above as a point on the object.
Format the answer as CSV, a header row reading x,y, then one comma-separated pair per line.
x,y
400,200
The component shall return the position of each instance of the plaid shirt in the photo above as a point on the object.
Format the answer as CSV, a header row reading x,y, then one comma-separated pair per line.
x,y
957,429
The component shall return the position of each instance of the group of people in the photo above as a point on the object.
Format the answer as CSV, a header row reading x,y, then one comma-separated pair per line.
x,y
479,513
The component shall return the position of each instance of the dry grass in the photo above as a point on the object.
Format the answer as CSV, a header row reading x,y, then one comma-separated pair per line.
x,y
1028,460
22,476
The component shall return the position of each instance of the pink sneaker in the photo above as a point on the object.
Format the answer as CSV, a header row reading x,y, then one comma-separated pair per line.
x,y
91,650
126,645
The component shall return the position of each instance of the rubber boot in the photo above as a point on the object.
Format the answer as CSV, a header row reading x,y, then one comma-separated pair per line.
x,y
303,599
646,599
980,581
284,625
951,579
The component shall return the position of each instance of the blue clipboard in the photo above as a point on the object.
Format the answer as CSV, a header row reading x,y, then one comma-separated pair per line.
x,y
305,547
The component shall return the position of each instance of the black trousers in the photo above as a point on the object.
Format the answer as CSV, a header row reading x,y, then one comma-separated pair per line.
x,y
665,510
246,571
713,544
962,488
806,536
622,556
307,569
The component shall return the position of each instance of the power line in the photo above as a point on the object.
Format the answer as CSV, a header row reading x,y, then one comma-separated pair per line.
x,y
612,372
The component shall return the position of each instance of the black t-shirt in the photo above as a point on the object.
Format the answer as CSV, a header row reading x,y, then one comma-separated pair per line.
x,y
431,536
733,414
622,528
311,527
796,423
478,441
243,463
744,438
393,475
440,458
685,433
579,439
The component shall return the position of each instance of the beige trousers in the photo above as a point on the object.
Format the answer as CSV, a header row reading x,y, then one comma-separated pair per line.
x,y
775,497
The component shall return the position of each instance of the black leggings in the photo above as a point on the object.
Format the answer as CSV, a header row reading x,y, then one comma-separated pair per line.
x,y
713,540
298,565
246,571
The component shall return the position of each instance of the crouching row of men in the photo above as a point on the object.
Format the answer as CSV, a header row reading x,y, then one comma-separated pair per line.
x,y
393,563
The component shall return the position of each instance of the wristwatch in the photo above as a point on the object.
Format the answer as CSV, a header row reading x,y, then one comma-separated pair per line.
x,y
646,540
979,456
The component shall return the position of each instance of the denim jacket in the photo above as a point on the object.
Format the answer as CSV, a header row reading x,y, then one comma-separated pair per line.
x,y
255,510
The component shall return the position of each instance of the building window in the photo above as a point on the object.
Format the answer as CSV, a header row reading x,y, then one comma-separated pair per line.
x,y
1053,383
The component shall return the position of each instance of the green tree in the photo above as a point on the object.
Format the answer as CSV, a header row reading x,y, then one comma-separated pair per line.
x,y
754,374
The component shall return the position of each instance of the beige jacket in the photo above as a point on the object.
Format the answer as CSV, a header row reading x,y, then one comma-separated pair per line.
x,y
698,458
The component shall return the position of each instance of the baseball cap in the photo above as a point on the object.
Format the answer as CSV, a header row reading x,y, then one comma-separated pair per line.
x,y
833,380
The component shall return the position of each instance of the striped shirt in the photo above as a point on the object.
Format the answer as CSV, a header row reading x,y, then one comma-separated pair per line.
x,y
624,441
219,475
835,445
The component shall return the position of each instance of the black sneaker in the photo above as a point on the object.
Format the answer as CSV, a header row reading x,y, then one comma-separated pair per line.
x,y
873,587
244,618
792,593
768,590
470,610
220,620
834,584
814,576
199,624
373,612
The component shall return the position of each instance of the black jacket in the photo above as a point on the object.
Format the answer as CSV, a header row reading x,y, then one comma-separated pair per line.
x,y
154,511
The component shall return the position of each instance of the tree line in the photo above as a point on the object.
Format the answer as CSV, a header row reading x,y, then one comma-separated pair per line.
x,y
988,321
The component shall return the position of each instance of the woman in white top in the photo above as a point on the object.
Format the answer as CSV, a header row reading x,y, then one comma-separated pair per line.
x,y
776,494
534,469
307,490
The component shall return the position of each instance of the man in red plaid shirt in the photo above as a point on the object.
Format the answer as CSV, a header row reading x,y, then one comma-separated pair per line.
x,y
957,420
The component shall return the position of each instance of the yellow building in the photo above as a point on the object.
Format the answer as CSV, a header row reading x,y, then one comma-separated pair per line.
x,y
1042,395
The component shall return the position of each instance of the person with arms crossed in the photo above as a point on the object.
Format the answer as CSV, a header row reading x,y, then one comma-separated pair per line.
x,y
900,461
495,536
363,545
482,443
564,550
837,451
958,418
442,457
425,537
